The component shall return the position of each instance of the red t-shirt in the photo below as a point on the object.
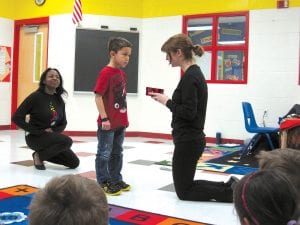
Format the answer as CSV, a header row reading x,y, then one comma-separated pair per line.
x,y
111,85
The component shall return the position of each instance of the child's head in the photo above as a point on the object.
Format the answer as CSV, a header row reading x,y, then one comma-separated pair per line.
x,y
119,51
69,200
266,197
285,160
117,43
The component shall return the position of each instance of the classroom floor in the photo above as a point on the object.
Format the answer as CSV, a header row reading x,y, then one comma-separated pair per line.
x,y
152,188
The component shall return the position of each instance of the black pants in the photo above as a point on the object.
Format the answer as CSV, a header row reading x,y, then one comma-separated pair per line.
x,y
186,155
53,147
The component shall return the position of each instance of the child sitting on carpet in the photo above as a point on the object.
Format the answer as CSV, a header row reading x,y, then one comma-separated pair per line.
x,y
69,200
266,197
286,160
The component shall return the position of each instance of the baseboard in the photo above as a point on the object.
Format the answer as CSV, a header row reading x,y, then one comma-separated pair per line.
x,y
152,135
4,127
138,134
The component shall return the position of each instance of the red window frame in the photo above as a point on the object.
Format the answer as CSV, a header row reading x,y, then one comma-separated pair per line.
x,y
214,48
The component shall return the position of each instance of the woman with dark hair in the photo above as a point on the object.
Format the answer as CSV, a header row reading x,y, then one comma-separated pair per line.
x,y
267,197
42,115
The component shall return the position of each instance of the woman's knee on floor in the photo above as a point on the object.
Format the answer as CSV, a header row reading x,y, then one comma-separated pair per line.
x,y
67,141
74,164
182,195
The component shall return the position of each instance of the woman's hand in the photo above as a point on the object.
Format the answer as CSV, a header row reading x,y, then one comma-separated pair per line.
x,y
161,98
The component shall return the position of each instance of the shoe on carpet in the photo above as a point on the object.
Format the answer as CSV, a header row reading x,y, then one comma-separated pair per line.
x,y
123,186
111,189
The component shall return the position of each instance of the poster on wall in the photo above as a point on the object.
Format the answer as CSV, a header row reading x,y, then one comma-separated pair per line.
x,y
232,65
5,64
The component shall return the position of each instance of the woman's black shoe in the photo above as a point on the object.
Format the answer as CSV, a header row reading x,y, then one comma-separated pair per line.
x,y
40,166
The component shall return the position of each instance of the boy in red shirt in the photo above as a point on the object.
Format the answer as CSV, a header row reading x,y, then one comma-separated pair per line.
x,y
110,91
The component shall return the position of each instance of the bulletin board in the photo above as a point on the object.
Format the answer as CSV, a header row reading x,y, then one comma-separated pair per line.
x,y
5,64
91,55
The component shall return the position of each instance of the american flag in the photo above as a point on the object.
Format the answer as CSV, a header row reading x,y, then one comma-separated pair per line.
x,y
77,12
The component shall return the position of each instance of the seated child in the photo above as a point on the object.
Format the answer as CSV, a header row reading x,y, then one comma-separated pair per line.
x,y
69,200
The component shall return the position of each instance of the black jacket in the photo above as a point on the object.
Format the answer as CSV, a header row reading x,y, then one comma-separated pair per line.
x,y
188,106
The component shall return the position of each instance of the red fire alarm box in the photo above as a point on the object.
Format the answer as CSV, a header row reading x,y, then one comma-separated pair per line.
x,y
282,4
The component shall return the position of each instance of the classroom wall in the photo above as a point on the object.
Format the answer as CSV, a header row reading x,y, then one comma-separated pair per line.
x,y
6,39
272,78
273,72
16,9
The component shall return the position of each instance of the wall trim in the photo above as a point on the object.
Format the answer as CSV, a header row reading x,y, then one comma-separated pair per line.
x,y
137,134
153,135
4,127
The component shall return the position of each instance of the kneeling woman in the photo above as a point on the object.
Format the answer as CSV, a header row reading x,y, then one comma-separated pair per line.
x,y
42,115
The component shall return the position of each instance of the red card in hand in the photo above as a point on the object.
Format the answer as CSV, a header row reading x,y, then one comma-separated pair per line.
x,y
149,90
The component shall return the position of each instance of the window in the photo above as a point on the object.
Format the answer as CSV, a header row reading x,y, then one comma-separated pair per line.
x,y
225,40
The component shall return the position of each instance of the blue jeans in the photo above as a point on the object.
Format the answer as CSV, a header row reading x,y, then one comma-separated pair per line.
x,y
109,157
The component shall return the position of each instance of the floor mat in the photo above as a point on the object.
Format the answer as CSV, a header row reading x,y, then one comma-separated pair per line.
x,y
223,159
14,203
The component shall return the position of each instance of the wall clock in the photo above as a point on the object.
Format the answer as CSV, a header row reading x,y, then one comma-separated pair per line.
x,y
39,2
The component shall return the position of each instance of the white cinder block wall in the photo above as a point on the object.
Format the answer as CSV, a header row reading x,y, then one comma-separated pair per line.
x,y
273,72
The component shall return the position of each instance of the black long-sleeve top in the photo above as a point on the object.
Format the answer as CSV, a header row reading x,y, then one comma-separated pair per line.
x,y
45,110
188,106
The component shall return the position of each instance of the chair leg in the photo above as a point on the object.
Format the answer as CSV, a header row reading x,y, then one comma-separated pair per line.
x,y
269,141
250,145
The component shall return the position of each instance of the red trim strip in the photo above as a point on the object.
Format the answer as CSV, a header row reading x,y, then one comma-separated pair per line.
x,y
152,135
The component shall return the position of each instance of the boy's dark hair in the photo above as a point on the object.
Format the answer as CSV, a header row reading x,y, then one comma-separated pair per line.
x,y
69,200
117,43
285,160
266,197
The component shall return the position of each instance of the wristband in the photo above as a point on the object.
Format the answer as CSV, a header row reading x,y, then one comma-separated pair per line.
x,y
104,119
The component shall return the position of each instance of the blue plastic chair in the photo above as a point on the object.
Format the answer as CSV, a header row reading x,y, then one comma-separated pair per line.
x,y
252,127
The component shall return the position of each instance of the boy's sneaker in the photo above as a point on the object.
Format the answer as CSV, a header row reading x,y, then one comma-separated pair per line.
x,y
123,186
111,189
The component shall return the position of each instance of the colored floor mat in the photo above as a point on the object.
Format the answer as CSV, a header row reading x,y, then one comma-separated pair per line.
x,y
224,160
14,202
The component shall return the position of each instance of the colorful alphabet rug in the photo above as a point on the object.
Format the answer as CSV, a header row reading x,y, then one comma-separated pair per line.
x,y
223,159
14,202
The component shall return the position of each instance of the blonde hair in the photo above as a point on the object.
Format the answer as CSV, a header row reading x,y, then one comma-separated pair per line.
x,y
184,43
285,160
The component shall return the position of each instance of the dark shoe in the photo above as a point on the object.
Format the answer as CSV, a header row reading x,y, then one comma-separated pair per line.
x,y
111,189
123,186
227,195
232,182
37,166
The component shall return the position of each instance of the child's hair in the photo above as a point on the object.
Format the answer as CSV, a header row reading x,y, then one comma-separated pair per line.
x,y
117,43
184,43
69,200
285,160
266,197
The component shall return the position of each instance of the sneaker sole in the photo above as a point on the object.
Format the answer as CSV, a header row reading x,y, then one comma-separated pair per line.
x,y
113,194
126,189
